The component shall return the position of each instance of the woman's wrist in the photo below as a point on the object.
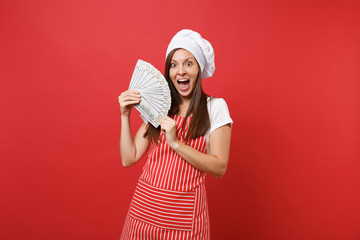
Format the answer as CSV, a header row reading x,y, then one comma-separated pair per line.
x,y
175,145
125,118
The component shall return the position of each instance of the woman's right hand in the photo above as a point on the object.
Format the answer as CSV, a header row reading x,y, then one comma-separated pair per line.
x,y
127,100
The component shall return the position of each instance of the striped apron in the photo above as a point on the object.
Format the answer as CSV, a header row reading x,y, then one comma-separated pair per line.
x,y
170,199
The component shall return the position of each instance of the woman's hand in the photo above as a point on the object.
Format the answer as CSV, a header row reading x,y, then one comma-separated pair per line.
x,y
127,100
168,127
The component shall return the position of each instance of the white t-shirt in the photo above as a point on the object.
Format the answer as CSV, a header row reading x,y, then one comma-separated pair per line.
x,y
219,116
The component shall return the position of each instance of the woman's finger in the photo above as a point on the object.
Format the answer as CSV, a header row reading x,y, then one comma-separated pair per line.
x,y
165,120
133,91
132,94
129,98
130,103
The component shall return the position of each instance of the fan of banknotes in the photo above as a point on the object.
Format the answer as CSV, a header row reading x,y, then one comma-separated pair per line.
x,y
154,91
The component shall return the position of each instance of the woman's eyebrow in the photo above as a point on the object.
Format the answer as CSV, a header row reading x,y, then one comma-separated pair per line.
x,y
184,59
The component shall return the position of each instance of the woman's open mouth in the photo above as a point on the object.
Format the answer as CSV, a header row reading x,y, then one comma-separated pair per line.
x,y
183,84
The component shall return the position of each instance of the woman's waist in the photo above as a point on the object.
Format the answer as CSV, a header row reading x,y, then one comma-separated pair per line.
x,y
181,184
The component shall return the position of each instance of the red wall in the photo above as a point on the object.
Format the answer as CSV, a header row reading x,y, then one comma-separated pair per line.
x,y
289,71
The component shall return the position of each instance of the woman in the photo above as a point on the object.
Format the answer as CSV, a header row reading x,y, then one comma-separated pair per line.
x,y
170,199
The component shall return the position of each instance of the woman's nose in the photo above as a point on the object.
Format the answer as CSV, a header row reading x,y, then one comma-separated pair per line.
x,y
181,70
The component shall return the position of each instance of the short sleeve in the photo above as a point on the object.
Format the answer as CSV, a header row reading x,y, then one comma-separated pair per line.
x,y
219,116
219,113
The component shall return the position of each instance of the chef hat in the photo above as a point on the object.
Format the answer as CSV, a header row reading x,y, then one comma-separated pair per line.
x,y
198,46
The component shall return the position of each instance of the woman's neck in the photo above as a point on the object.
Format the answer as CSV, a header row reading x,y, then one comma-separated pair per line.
x,y
184,106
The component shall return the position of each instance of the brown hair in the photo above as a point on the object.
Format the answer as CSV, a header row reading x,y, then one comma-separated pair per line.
x,y
200,121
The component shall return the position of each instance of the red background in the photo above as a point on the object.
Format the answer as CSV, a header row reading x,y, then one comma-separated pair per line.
x,y
289,71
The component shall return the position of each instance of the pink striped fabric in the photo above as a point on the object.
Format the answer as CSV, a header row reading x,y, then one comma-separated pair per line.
x,y
163,208
170,198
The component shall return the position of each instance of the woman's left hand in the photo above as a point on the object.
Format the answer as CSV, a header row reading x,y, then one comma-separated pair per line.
x,y
168,127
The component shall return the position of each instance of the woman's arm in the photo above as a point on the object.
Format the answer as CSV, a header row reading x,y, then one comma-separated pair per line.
x,y
131,149
214,163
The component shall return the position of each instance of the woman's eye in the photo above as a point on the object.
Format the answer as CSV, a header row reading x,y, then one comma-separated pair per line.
x,y
172,65
188,63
